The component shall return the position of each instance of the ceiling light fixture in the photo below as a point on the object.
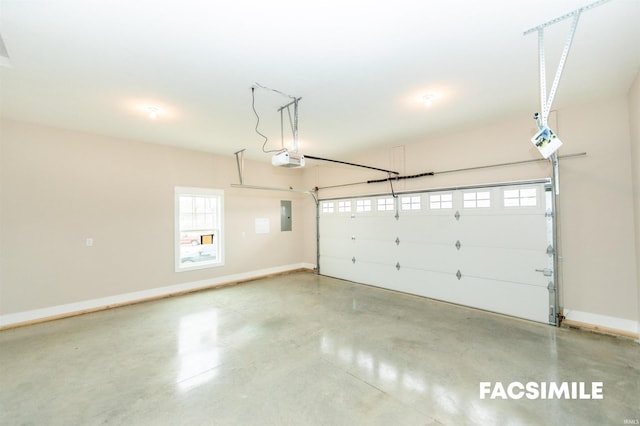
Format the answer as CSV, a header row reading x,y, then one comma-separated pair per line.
x,y
153,111
428,99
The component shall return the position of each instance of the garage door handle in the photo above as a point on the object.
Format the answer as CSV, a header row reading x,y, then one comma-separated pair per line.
x,y
546,272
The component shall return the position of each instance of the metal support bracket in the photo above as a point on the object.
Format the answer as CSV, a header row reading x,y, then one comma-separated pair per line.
x,y
240,162
547,101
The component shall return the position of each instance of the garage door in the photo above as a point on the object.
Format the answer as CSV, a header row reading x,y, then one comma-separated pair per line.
x,y
485,247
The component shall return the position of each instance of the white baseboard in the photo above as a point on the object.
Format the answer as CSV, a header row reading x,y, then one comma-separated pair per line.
x,y
604,323
70,309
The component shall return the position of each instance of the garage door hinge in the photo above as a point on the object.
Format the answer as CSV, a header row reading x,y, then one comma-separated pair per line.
x,y
550,250
459,274
353,259
551,287
397,241
458,245
546,272
398,266
548,213
457,215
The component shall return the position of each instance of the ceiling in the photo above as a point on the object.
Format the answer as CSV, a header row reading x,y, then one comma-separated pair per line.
x,y
359,66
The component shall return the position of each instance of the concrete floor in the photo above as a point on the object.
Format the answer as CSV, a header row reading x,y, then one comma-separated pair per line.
x,y
301,349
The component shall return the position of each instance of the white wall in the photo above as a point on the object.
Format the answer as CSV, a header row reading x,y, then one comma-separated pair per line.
x,y
596,207
60,187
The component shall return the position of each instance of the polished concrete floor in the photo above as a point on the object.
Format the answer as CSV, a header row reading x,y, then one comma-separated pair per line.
x,y
300,349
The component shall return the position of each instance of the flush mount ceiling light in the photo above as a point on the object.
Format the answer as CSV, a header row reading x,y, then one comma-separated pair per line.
x,y
152,110
427,99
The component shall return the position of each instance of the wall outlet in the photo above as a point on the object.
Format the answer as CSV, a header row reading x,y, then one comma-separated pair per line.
x,y
89,242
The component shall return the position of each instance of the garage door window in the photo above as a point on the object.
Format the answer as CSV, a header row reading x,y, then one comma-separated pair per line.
x,y
344,206
526,197
327,207
385,204
411,203
198,227
363,206
473,200
441,201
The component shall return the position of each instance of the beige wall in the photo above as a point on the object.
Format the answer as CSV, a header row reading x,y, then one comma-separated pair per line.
x,y
596,209
634,125
60,187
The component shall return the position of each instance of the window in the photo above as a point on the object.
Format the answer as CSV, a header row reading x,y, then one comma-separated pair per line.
x,y
527,197
385,204
344,206
441,201
411,203
363,206
472,200
199,239
327,207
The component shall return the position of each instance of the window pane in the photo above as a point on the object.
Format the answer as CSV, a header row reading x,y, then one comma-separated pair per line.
x,y
511,193
363,205
344,206
198,228
327,207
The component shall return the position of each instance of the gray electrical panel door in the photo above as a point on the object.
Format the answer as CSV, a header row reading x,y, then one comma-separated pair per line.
x,y
285,215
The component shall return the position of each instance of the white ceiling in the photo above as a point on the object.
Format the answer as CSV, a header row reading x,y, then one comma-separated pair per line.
x,y
359,66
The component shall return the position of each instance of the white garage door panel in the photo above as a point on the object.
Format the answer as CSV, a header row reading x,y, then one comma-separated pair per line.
x,y
487,257
369,227
518,266
335,247
428,257
339,268
375,251
434,229
371,273
338,226
522,301
435,285
517,231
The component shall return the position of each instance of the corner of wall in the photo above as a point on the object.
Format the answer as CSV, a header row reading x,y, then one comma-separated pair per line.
x,y
634,131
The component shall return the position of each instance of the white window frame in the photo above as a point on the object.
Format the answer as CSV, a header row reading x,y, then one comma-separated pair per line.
x,y
441,201
344,206
521,197
216,229
385,204
411,202
363,206
476,200
327,207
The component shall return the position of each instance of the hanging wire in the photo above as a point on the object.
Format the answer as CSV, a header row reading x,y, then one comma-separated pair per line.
x,y
266,139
